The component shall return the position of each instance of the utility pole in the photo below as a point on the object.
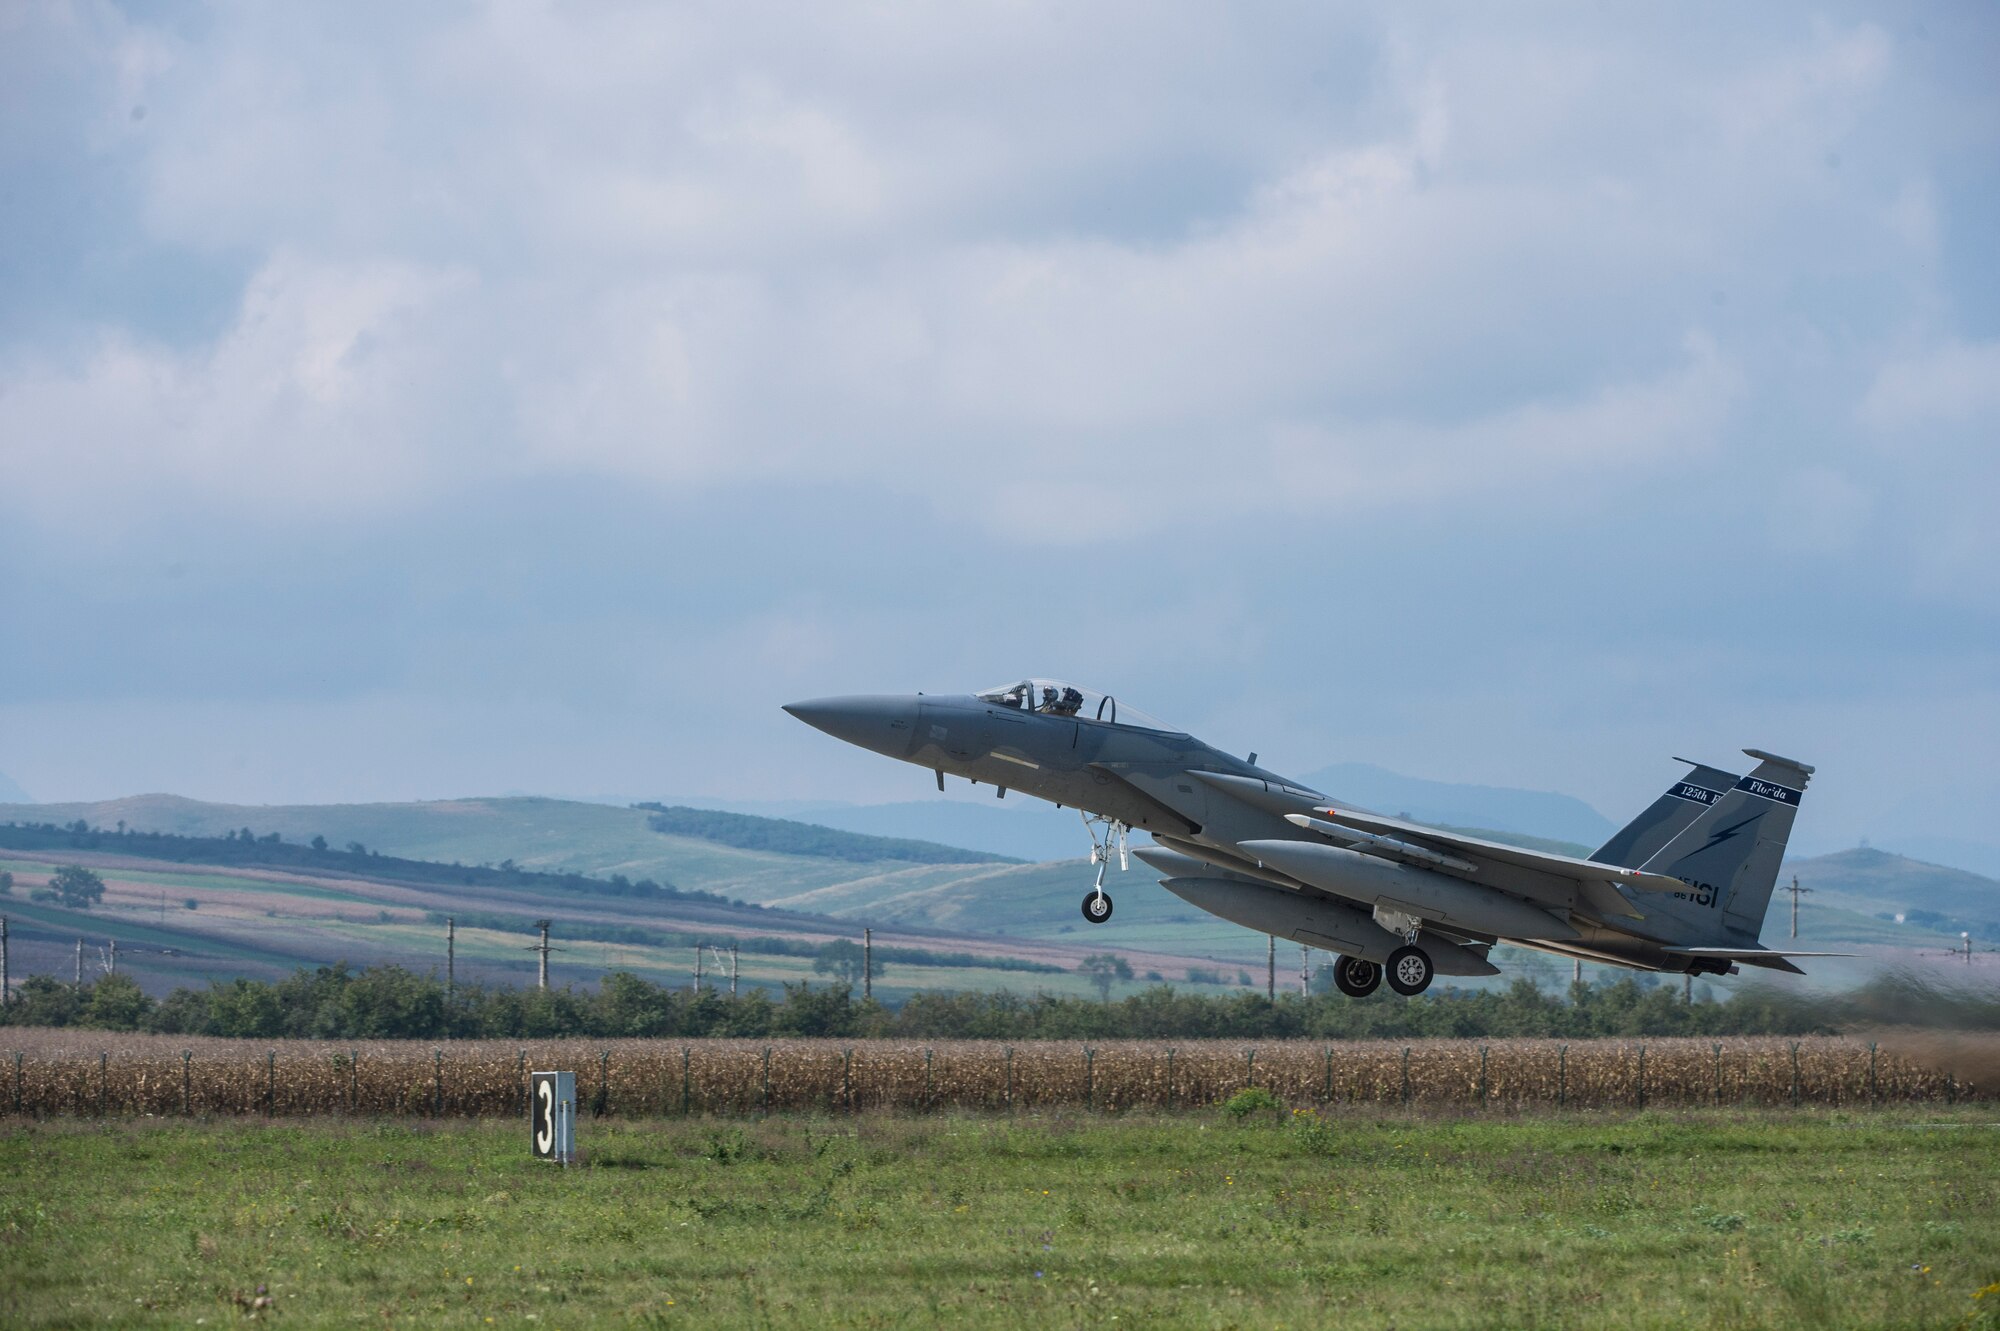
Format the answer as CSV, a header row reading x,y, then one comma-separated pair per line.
x,y
1575,971
697,970
867,965
1687,989
1305,971
732,970
111,965
6,990
1966,939
450,956
1796,892
79,963
542,977
1270,968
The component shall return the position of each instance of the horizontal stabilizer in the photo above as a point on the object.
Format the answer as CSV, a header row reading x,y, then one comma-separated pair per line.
x,y
1751,953
1754,956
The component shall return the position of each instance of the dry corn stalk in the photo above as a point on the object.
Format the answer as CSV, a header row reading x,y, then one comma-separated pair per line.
x,y
81,1073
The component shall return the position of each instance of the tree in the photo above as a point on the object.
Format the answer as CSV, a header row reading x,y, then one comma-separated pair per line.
x,y
116,1003
76,887
7,883
843,959
1103,968
319,843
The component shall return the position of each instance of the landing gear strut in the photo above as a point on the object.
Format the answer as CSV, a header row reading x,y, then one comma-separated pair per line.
x,y
1097,906
1410,971
1356,978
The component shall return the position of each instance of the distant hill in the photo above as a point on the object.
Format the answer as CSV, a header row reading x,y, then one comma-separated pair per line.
x,y
787,837
900,882
558,836
10,792
179,921
1020,829
1449,804
1929,896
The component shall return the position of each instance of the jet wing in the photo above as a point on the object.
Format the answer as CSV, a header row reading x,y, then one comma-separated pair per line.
x,y
1375,827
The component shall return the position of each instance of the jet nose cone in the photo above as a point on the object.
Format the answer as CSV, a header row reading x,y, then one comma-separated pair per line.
x,y
883,723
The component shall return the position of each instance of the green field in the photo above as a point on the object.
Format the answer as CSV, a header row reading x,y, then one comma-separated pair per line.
x,y
1889,1219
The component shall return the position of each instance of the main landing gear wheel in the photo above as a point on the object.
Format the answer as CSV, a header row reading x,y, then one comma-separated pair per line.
x,y
1410,971
1097,907
1356,978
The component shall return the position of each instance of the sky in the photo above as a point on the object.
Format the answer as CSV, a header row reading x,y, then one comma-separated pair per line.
x,y
427,401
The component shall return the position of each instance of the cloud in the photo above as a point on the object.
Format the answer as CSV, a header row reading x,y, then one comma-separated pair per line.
x,y
1953,383
315,400
666,360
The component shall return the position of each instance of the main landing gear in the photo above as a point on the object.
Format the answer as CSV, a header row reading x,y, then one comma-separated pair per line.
x,y
1097,906
1409,973
1356,978
1410,970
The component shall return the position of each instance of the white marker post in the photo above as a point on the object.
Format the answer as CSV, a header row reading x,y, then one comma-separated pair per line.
x,y
552,1116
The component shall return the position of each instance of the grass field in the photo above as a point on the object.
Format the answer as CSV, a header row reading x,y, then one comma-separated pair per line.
x,y
1885,1219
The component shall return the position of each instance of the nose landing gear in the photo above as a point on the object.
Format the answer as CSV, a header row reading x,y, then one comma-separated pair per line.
x,y
1097,906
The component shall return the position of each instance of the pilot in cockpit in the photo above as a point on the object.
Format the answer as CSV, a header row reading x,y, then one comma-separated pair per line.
x,y
1067,703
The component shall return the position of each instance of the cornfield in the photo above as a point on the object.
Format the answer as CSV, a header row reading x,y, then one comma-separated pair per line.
x,y
72,1073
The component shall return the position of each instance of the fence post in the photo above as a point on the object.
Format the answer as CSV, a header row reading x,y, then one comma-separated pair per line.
x,y
1795,1074
1642,1076
1010,1077
1871,1072
187,1077
1482,1076
103,1079
687,1082
1170,1077
603,1106
1250,1066
767,1080
1718,1073
1326,1083
1406,1074
1089,1078
437,1083
1562,1075
271,1084
847,1076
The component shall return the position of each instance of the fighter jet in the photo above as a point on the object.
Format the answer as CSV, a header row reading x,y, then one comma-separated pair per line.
x,y
1682,888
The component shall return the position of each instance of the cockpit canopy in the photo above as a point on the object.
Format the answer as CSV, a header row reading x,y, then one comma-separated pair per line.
x,y
1052,697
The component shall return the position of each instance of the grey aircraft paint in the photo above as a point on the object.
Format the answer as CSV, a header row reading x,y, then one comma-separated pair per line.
x,y
1683,887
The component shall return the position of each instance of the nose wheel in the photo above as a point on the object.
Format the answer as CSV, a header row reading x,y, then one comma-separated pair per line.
x,y
1356,978
1097,906
1410,971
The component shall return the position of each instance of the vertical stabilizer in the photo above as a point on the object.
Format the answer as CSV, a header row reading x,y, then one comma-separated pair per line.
x,y
1729,855
1667,817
